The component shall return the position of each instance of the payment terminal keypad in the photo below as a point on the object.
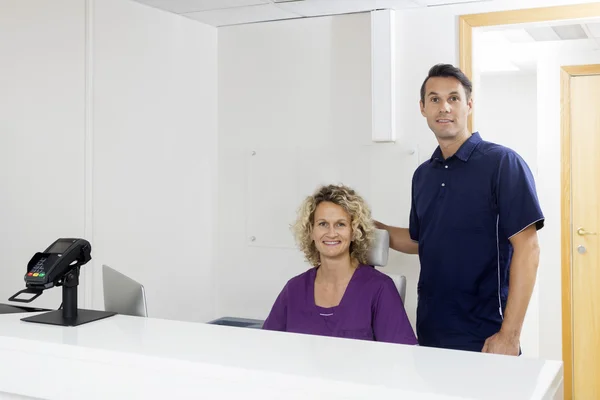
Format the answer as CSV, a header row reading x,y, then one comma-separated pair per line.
x,y
38,270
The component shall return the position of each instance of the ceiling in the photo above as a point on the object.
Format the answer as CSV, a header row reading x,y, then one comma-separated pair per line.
x,y
572,31
234,12
517,48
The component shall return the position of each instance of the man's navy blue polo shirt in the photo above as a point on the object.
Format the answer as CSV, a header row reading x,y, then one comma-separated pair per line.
x,y
464,210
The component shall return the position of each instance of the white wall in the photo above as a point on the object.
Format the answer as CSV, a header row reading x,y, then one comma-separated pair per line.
x,y
507,114
42,87
109,132
278,96
298,94
155,155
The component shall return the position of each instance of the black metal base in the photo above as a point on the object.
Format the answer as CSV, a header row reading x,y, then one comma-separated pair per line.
x,y
57,317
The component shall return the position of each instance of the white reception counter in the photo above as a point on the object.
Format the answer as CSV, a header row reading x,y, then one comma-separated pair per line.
x,y
144,358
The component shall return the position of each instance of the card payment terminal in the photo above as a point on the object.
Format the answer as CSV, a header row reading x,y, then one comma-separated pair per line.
x,y
48,268
59,265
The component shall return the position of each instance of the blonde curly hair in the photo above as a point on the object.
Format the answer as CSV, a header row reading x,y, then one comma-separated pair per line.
x,y
360,214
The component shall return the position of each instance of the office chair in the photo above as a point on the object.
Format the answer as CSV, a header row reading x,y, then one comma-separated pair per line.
x,y
378,257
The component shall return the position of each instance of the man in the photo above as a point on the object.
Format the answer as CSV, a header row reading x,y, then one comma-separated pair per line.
x,y
473,221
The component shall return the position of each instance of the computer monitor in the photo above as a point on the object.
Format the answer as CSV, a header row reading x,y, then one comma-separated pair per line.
x,y
122,294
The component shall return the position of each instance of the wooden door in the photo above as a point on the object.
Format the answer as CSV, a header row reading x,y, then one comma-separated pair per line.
x,y
584,99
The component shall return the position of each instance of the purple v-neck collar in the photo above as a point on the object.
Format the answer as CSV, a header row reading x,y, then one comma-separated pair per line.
x,y
343,301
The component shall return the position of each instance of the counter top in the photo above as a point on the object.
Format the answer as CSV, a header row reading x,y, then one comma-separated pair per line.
x,y
132,357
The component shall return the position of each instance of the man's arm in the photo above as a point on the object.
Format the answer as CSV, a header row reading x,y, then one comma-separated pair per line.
x,y
399,239
523,271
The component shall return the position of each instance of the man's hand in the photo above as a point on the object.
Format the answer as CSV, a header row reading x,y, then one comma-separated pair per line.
x,y
399,238
502,343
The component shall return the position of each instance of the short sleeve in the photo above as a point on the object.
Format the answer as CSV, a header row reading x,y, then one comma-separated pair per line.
x,y
413,223
516,196
277,319
390,322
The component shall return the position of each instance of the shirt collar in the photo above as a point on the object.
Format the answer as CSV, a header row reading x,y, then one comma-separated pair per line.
x,y
464,151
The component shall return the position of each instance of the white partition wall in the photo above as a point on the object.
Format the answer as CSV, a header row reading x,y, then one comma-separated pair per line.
x,y
108,131
155,148
42,122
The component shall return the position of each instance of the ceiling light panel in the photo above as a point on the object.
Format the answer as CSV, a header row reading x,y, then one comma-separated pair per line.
x,y
570,32
543,34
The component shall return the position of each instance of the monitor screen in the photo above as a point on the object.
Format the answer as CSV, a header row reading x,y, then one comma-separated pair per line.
x,y
60,246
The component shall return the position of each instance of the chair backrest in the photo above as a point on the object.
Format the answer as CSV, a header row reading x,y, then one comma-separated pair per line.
x,y
400,281
380,249
378,257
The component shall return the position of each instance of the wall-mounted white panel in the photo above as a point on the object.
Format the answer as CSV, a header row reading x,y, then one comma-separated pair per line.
x,y
280,178
383,75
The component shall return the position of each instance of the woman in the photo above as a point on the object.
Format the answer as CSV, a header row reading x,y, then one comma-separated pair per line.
x,y
340,296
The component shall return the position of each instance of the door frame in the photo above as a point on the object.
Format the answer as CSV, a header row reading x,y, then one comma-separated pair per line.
x,y
566,225
466,24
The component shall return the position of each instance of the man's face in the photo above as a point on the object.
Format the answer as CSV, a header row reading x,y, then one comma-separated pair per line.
x,y
446,107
